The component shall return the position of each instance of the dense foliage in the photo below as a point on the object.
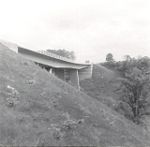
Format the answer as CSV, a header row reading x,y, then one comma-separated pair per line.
x,y
134,86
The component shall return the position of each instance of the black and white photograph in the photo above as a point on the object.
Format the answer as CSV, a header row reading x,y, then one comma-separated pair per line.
x,y
75,73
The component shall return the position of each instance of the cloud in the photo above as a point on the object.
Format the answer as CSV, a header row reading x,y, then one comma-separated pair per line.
x,y
92,28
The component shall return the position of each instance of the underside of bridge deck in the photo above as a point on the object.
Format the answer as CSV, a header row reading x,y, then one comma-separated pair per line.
x,y
70,76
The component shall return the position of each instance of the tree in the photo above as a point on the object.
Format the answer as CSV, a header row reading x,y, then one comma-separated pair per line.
x,y
63,53
109,57
110,62
127,58
144,63
134,88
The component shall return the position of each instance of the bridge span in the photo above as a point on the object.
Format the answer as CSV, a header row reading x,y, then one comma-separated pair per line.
x,y
64,68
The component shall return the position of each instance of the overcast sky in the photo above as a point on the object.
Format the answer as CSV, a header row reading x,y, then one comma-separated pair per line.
x,y
91,28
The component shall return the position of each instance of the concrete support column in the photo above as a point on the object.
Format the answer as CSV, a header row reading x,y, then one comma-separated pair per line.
x,y
74,78
50,70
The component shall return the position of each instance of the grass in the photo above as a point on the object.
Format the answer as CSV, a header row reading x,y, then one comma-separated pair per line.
x,y
47,111
102,85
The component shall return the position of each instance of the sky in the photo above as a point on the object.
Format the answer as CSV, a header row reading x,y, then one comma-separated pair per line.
x,y
90,28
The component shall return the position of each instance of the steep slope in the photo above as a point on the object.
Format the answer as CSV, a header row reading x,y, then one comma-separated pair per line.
x,y
36,108
102,85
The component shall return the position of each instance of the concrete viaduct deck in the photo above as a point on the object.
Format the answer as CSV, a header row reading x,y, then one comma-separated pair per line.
x,y
63,68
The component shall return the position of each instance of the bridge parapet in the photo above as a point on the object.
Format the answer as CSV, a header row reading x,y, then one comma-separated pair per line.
x,y
55,56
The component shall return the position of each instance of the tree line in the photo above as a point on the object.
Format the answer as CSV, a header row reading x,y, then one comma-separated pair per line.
x,y
134,87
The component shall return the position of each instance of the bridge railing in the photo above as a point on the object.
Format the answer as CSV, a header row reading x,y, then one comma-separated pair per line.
x,y
55,56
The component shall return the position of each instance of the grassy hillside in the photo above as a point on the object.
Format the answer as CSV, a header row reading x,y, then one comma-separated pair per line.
x,y
36,108
102,85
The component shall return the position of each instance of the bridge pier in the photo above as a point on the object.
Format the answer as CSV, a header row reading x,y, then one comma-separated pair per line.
x,y
74,78
51,70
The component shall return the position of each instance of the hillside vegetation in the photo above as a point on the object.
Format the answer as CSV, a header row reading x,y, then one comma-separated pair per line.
x,y
123,86
37,109
102,85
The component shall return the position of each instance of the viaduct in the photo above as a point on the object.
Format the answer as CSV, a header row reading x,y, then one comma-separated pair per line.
x,y
64,68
